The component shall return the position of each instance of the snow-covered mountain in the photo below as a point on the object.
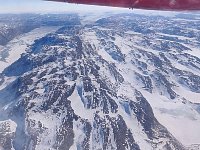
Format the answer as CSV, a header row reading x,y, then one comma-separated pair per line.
x,y
122,82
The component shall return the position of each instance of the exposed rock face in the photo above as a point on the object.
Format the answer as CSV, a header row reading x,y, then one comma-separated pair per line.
x,y
12,26
97,87
7,134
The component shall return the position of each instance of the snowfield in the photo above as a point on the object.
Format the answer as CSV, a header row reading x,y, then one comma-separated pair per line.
x,y
20,44
120,81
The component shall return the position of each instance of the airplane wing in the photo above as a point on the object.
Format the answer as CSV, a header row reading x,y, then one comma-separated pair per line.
x,y
142,4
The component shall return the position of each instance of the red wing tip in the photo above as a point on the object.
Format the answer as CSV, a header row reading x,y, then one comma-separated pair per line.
x,y
181,5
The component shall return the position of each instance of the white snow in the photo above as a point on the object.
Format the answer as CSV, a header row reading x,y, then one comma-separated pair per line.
x,y
194,52
180,119
176,36
7,81
19,45
78,106
188,95
8,126
137,130
40,91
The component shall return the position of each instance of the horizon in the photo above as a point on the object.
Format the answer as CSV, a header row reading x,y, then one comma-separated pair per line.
x,y
41,6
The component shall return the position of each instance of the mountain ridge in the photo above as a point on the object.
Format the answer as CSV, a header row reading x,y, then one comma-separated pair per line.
x,y
100,86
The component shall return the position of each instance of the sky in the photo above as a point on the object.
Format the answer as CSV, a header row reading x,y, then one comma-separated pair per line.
x,y
41,6
20,6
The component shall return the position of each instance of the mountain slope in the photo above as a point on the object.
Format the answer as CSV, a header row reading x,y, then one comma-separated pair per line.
x,y
112,84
